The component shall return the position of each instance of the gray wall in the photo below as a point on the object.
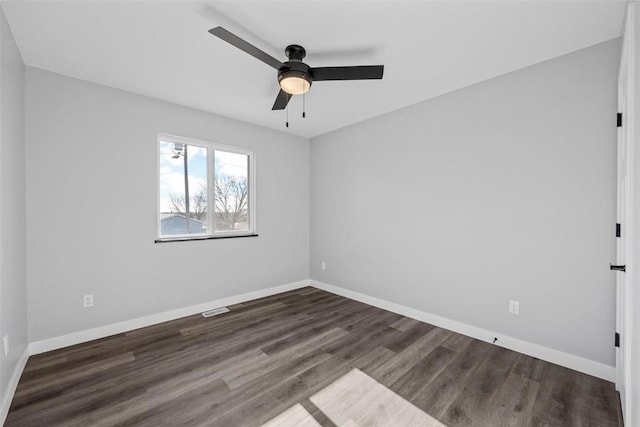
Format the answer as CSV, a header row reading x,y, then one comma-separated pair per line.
x,y
13,284
502,190
91,223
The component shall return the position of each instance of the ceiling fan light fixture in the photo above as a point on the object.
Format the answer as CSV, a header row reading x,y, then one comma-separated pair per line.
x,y
295,82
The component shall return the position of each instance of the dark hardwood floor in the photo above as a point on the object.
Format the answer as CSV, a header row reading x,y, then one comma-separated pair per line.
x,y
247,366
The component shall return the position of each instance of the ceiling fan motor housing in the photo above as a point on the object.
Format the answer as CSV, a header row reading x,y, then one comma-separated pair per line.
x,y
295,69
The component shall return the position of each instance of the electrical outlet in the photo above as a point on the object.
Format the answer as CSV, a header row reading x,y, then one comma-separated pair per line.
x,y
323,265
87,300
5,341
514,307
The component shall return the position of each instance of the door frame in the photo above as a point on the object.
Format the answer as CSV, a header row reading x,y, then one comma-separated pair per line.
x,y
627,211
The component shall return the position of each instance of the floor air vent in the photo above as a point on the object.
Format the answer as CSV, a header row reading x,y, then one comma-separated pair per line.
x,y
215,312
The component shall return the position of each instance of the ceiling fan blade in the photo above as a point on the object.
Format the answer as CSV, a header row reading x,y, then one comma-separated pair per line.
x,y
281,100
361,72
247,47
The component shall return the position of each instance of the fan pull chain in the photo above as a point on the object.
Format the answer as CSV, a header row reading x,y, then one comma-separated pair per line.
x,y
304,97
287,122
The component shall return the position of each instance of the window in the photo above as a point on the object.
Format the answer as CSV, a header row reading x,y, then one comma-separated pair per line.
x,y
206,190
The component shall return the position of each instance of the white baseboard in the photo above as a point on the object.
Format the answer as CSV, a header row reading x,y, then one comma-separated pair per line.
x,y
13,384
141,322
567,360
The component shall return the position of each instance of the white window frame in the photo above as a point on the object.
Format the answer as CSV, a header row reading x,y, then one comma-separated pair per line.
x,y
211,147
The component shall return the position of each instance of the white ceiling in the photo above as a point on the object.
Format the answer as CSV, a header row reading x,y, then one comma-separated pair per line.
x,y
163,49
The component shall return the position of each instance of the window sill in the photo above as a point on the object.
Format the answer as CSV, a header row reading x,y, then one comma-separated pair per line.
x,y
189,239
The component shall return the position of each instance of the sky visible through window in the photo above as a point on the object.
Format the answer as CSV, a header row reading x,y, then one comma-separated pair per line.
x,y
227,164
172,172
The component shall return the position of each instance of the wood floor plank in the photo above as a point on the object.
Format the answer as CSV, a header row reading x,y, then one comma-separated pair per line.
x,y
369,336
372,360
325,373
558,400
513,405
249,398
173,413
192,379
476,397
529,367
263,357
457,342
445,388
273,361
419,377
405,323
145,407
599,399
73,374
408,337
398,365
38,363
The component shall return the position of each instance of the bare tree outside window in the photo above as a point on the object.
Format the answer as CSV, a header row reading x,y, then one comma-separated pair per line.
x,y
197,204
231,203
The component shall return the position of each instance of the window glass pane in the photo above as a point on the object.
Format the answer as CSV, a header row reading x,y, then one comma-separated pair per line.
x,y
183,189
232,191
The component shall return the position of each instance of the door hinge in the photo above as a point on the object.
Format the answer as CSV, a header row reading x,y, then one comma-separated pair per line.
x,y
619,120
617,339
617,230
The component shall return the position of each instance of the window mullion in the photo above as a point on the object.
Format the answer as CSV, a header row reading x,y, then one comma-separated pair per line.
x,y
211,204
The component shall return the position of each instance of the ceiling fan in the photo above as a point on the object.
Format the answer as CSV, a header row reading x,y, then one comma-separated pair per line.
x,y
294,76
